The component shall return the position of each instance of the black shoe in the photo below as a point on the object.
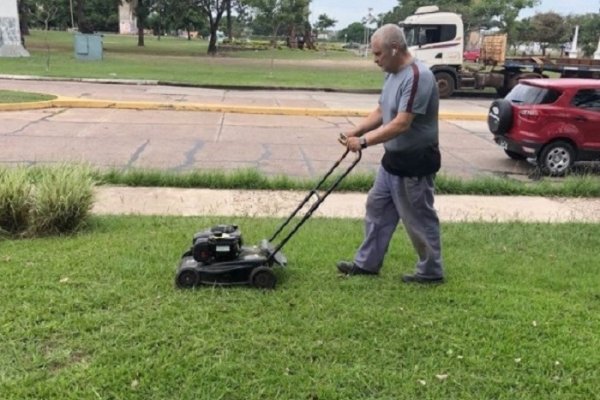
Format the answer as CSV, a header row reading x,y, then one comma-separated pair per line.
x,y
419,279
349,268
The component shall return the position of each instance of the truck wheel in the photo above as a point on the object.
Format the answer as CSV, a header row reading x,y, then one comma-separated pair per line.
x,y
500,117
445,83
263,278
187,278
556,158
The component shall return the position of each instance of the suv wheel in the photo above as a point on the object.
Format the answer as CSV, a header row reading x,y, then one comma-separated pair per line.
x,y
556,158
500,117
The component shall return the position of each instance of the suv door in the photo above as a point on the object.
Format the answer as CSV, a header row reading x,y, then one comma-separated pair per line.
x,y
586,116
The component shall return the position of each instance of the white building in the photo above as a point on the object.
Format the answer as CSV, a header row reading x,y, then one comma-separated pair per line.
x,y
10,33
127,22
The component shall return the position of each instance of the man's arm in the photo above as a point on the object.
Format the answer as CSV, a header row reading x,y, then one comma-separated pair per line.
x,y
384,133
372,121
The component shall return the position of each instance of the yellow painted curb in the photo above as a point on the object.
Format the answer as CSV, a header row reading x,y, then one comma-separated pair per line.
x,y
34,105
65,102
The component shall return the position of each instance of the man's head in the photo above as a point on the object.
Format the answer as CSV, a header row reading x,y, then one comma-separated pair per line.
x,y
388,45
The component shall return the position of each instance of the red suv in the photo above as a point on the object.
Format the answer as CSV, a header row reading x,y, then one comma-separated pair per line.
x,y
556,122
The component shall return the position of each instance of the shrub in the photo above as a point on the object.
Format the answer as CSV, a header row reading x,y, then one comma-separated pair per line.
x,y
15,200
63,198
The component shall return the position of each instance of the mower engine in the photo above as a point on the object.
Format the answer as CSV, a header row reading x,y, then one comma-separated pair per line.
x,y
218,244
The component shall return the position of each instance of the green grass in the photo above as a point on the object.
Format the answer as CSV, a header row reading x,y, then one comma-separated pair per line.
x,y
181,61
95,316
10,96
587,185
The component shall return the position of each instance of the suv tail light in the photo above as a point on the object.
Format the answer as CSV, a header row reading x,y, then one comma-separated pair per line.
x,y
530,115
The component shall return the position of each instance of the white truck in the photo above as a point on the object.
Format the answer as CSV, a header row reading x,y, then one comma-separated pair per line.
x,y
437,38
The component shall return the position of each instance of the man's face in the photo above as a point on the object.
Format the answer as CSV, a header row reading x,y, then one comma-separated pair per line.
x,y
381,55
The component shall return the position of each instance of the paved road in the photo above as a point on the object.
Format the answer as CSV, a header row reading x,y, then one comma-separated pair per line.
x,y
179,140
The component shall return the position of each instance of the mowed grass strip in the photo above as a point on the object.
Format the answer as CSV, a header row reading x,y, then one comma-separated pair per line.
x,y
584,185
177,60
96,316
10,96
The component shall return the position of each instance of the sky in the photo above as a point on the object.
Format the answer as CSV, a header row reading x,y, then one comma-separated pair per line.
x,y
348,11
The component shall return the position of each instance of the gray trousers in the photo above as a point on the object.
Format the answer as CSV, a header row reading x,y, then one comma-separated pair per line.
x,y
391,199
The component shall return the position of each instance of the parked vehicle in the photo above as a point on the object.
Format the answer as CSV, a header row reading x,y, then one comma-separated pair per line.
x,y
555,122
472,55
436,38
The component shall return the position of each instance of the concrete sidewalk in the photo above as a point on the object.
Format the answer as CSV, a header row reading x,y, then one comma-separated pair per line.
x,y
238,203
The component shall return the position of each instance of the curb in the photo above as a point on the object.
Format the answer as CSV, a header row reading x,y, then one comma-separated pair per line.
x,y
66,102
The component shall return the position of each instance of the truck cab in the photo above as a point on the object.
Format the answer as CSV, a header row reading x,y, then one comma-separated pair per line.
x,y
437,39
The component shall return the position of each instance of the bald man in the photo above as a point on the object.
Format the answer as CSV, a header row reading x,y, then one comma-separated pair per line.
x,y
406,123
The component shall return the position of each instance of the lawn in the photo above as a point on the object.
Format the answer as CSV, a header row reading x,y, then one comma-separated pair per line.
x,y
95,316
176,60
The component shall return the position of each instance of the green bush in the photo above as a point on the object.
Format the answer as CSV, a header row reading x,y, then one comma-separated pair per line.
x,y
15,200
44,200
63,198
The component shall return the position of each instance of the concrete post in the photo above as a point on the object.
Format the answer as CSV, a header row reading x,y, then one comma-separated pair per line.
x,y
10,33
574,53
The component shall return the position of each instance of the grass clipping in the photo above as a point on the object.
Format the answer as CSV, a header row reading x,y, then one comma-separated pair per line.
x,y
44,201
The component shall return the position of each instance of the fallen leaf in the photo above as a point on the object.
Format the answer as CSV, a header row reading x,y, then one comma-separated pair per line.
x,y
442,377
422,382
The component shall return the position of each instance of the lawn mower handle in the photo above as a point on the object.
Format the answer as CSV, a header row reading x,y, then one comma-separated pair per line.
x,y
316,204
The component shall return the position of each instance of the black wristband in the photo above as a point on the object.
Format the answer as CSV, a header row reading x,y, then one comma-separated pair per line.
x,y
363,142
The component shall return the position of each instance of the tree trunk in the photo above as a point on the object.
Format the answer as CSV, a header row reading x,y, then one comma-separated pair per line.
x,y
292,39
23,19
229,22
308,41
140,34
212,43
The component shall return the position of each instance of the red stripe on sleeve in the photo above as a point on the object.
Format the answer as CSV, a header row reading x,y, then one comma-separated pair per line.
x,y
415,86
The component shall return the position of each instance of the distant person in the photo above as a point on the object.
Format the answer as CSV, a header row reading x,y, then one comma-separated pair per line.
x,y
406,122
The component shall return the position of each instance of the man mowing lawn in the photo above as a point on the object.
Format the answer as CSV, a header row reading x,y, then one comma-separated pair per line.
x,y
406,122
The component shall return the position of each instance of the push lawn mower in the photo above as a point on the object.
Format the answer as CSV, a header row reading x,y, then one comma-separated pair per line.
x,y
218,257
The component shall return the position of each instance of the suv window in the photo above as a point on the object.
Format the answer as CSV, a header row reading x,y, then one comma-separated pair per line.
x,y
588,99
528,94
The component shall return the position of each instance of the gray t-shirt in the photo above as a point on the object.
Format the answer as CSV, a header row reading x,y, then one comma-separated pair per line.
x,y
413,90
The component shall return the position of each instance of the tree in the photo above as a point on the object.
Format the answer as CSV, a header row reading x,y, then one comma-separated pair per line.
x,y
141,11
589,26
352,33
522,32
324,22
475,13
23,8
47,10
213,10
547,29
286,15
